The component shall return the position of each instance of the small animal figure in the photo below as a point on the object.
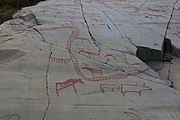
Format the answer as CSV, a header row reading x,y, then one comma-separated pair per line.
x,y
67,83
134,88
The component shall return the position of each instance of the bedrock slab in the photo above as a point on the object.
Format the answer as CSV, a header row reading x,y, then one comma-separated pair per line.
x,y
76,60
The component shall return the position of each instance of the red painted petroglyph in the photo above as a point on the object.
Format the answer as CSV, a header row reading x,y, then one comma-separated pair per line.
x,y
72,37
12,117
16,26
89,53
120,75
98,72
93,70
134,88
83,39
177,34
60,60
158,23
178,8
155,10
132,115
111,77
67,83
162,6
125,88
109,88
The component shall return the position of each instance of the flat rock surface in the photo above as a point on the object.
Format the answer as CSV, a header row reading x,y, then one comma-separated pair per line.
x,y
76,60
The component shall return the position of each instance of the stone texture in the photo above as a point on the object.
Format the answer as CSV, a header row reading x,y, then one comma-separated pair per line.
x,y
65,59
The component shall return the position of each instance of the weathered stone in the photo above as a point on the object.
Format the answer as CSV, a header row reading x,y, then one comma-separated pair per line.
x,y
76,59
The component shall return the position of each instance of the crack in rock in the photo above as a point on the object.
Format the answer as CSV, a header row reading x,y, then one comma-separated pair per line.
x,y
47,86
90,34
167,27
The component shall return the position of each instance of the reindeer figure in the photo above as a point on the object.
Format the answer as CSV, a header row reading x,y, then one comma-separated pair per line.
x,y
92,70
67,83
81,50
134,88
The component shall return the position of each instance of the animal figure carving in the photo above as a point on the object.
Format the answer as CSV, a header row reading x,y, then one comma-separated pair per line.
x,y
11,117
134,88
125,88
109,87
93,70
67,83
81,50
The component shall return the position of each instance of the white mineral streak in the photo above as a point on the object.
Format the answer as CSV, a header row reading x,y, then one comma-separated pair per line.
x,y
75,60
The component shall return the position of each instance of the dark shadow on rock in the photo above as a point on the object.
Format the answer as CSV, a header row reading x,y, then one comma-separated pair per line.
x,y
7,55
167,50
148,54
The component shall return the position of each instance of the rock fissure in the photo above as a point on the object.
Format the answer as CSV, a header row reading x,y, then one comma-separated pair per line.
x,y
47,87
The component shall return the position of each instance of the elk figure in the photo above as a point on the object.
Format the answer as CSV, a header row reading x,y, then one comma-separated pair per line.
x,y
92,70
134,88
67,83
81,50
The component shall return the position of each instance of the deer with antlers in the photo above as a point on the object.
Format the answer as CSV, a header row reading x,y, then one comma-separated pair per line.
x,y
67,83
